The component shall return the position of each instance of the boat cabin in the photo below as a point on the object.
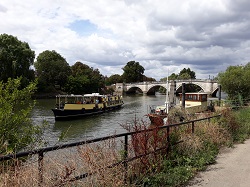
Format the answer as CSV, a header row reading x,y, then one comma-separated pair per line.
x,y
195,102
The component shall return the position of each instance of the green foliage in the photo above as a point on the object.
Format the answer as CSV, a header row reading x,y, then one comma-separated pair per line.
x,y
181,165
234,81
184,74
187,74
237,123
149,79
133,72
173,76
113,79
16,57
52,70
84,79
174,176
78,84
17,131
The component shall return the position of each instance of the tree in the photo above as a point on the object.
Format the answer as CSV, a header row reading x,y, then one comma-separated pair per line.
x,y
16,58
187,74
52,70
235,81
173,76
84,79
113,79
133,72
17,131
150,79
184,74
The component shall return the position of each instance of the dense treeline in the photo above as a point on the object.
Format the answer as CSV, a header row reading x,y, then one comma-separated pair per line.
x,y
54,73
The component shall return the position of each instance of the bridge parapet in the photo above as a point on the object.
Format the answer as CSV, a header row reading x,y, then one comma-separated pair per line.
x,y
207,85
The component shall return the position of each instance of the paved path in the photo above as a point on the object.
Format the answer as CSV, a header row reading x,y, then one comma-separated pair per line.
x,y
232,169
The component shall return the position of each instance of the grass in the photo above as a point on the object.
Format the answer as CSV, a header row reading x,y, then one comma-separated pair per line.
x,y
164,168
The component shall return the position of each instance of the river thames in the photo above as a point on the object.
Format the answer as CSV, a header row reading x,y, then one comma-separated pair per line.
x,y
135,107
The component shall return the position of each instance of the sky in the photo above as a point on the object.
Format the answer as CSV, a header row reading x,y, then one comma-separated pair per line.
x,y
164,36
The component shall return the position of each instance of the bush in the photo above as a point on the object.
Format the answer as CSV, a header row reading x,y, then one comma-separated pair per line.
x,y
17,131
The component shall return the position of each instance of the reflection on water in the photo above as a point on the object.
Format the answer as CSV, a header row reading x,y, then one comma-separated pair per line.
x,y
135,107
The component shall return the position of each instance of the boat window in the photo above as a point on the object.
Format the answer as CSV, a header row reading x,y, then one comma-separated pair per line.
x,y
204,97
194,97
189,97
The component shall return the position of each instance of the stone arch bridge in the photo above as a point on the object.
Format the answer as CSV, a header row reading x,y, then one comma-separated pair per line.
x,y
149,88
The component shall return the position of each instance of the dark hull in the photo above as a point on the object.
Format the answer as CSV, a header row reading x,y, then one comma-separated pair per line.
x,y
74,114
157,119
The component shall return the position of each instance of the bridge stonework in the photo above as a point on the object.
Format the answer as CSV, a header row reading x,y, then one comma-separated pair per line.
x,y
207,85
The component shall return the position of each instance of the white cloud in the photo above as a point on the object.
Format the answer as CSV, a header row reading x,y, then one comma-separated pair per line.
x,y
161,35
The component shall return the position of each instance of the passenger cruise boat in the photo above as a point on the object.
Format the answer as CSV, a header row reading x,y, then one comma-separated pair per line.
x,y
72,106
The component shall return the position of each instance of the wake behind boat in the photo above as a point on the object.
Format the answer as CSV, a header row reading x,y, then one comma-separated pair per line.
x,y
72,106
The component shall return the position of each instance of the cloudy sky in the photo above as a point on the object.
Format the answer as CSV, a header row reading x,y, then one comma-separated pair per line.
x,y
162,35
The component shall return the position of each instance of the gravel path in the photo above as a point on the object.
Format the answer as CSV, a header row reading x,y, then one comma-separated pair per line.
x,y
232,169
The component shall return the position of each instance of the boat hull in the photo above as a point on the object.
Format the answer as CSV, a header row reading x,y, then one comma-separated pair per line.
x,y
61,114
157,119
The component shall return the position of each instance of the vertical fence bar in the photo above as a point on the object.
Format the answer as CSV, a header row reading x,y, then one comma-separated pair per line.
x,y
192,127
40,168
168,139
125,158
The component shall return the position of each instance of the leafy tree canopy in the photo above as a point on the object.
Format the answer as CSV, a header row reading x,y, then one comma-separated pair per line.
x,y
113,79
187,74
52,69
16,58
84,79
235,81
184,74
133,72
145,78
17,131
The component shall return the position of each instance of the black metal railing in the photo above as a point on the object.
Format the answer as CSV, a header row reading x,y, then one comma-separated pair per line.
x,y
40,152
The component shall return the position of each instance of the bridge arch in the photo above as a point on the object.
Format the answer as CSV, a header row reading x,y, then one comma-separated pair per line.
x,y
214,92
178,86
153,88
134,89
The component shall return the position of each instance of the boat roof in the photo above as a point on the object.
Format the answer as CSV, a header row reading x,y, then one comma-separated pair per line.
x,y
69,95
200,93
93,95
85,95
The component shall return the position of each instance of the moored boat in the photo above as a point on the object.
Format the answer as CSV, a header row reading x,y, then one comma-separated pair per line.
x,y
193,103
72,106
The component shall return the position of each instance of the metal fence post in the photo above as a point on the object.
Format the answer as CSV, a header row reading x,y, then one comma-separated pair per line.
x,y
192,127
168,139
40,167
125,157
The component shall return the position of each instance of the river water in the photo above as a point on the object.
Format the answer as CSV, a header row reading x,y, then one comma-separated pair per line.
x,y
135,107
